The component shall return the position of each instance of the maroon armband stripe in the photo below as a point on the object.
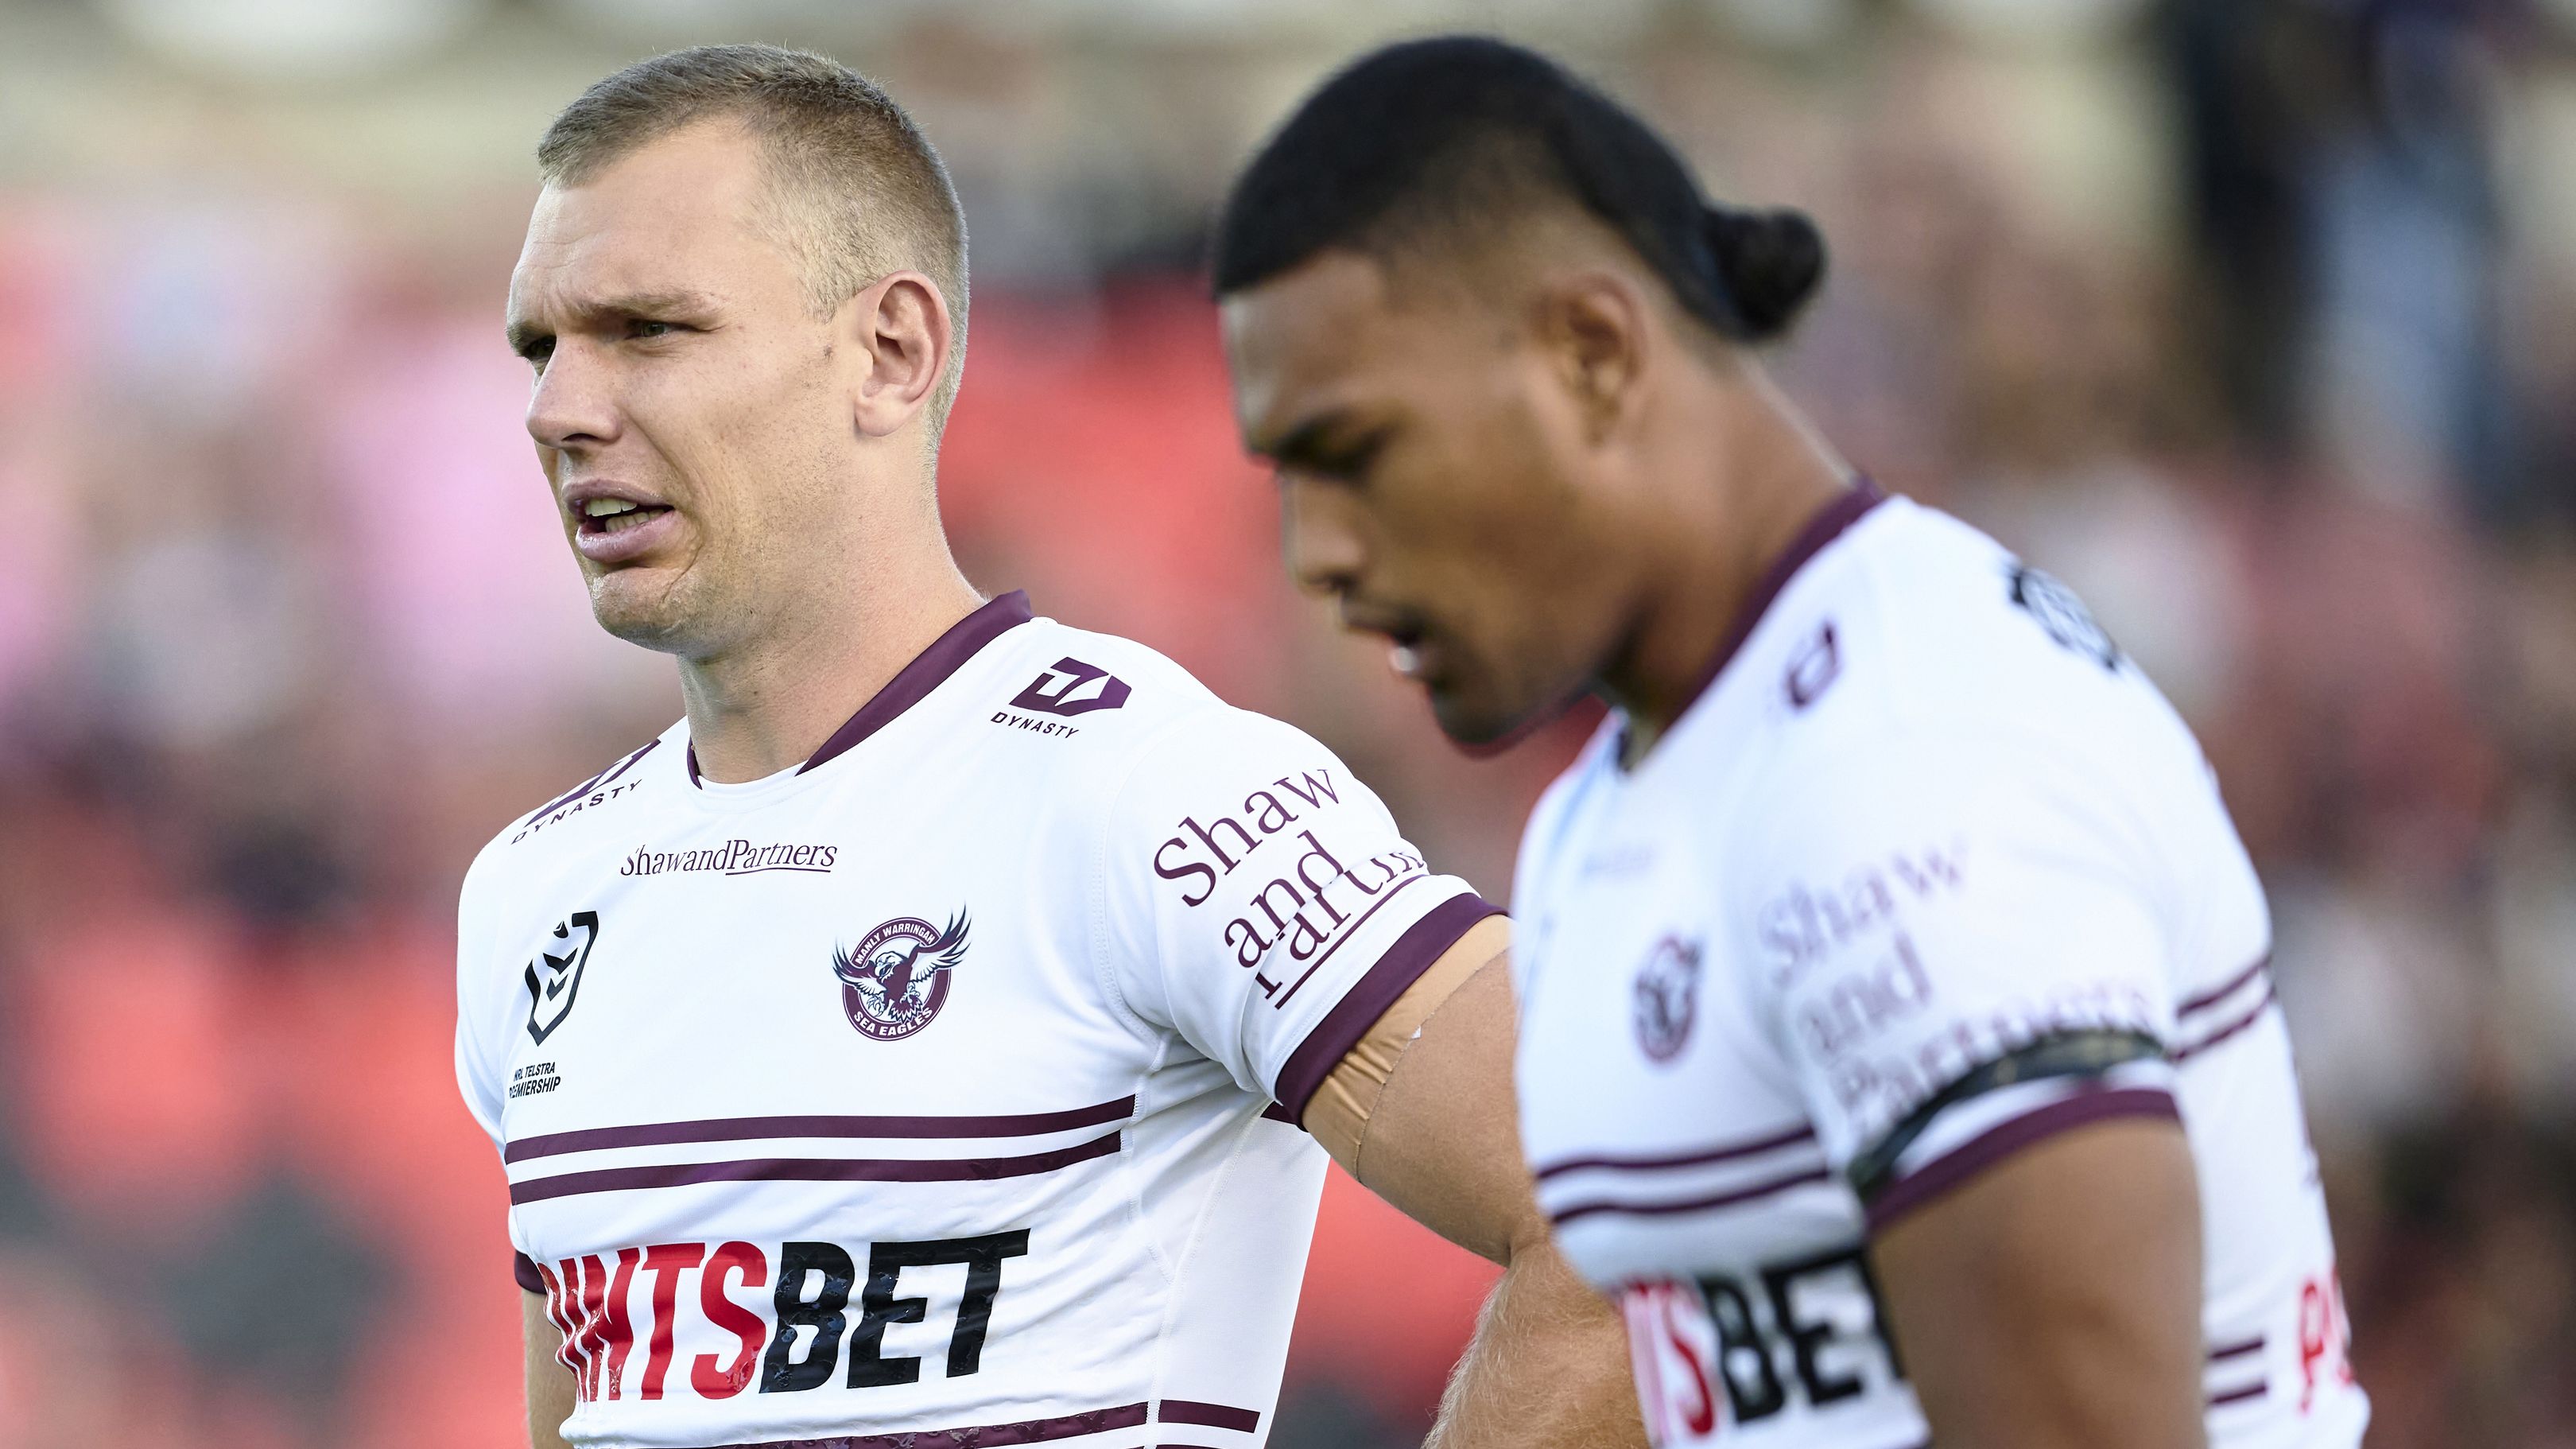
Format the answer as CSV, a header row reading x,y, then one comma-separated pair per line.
x,y
524,1268
1941,1174
1423,942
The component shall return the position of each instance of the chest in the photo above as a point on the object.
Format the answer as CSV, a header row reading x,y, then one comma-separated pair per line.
x,y
810,981
1662,1119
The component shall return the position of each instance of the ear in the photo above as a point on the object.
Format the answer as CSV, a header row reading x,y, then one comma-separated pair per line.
x,y
901,334
1594,327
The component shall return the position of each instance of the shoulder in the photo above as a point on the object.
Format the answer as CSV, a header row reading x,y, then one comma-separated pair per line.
x,y
1135,706
1931,661
589,815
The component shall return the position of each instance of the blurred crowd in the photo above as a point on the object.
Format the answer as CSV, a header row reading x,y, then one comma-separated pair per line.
x,y
2255,320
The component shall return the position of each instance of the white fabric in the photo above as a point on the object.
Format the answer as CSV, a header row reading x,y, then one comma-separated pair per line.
x,y
1136,1258
1913,825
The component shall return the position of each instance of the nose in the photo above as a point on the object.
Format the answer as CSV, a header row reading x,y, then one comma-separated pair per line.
x,y
1318,529
574,405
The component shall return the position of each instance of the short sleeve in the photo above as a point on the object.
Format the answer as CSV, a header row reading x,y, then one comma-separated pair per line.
x,y
477,1078
1260,902
1961,951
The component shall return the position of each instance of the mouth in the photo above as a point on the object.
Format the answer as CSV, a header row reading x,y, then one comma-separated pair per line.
x,y
609,517
1410,647
614,525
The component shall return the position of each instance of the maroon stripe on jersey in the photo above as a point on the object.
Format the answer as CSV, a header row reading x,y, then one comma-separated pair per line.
x,y
2236,1350
743,1129
2212,997
2093,1104
524,1268
1726,1153
2186,1053
2238,1396
1824,528
1736,1198
1027,1431
928,670
811,1169
1351,930
1215,1416
1423,942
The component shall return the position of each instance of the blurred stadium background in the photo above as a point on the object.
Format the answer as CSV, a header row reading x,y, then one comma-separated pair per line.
x,y
2255,319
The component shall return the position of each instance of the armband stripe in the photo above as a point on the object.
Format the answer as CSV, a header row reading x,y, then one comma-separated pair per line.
x,y
1414,952
2188,1051
2089,1105
524,1268
2078,1054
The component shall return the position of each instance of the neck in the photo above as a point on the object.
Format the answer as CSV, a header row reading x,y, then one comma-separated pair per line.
x,y
768,703
1725,534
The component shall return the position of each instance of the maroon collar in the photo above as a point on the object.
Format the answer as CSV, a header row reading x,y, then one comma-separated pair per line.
x,y
928,670
1824,528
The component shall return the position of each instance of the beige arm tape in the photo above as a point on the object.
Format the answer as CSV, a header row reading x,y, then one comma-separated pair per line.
x,y
1337,1115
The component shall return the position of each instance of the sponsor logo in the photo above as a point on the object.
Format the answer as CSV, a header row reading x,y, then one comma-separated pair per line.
x,y
1815,668
598,790
2062,615
823,1305
1664,1000
733,857
894,984
1067,688
1072,687
1729,1351
554,973
1311,903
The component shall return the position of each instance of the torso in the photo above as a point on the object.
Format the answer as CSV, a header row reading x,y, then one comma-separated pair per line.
x,y
1727,995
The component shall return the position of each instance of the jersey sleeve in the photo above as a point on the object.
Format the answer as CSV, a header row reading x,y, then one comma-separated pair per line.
x,y
478,1077
1259,901
1960,949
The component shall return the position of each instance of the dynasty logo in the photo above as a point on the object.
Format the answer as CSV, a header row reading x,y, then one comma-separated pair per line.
x,y
894,984
554,974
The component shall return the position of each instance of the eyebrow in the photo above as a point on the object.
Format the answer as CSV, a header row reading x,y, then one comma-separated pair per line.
x,y
524,334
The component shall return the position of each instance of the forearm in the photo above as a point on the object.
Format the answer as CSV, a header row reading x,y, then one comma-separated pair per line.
x,y
1548,1367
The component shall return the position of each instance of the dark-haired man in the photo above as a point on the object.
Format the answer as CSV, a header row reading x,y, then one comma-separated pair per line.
x,y
1895,1042
911,1045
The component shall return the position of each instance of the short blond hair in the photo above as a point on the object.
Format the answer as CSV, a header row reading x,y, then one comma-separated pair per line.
x,y
858,190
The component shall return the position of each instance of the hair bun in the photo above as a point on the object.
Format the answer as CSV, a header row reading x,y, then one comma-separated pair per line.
x,y
1770,263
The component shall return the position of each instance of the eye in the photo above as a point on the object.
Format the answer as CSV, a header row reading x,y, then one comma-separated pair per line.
x,y
536,350
642,327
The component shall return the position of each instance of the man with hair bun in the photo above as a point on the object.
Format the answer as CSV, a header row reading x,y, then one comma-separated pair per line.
x,y
937,1035
1896,1042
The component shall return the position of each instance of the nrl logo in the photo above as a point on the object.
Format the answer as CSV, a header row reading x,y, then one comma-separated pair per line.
x,y
897,979
1665,998
554,974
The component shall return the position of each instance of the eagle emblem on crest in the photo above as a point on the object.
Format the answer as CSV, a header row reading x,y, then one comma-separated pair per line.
x,y
896,980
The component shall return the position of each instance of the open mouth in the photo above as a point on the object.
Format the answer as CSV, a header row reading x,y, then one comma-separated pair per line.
x,y
606,517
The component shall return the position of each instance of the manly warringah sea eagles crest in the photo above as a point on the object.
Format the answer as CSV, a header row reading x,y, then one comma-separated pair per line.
x,y
1666,998
894,983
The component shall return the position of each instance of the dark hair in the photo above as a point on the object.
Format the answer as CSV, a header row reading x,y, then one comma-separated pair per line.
x,y
1448,140
858,188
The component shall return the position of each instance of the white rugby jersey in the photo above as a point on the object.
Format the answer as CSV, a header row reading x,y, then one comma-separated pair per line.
x,y
1923,817
945,1085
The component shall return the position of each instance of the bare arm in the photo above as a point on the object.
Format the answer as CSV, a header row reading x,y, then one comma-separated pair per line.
x,y
550,1386
2055,1299
1549,1363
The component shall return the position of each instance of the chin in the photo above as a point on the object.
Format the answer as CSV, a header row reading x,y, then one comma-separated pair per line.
x,y
1472,724
639,616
